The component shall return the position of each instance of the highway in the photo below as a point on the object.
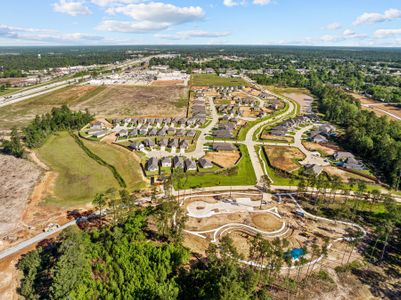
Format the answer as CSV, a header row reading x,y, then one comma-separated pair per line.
x,y
47,88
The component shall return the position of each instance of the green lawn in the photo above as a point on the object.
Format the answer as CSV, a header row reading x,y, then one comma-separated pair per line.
x,y
215,80
79,177
244,176
122,159
10,90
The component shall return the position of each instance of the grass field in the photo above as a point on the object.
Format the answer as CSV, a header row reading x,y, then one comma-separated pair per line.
x,y
244,176
122,160
79,177
21,113
214,80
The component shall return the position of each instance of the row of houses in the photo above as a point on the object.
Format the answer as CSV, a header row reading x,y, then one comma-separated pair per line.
x,y
283,128
165,131
173,143
177,162
198,108
158,122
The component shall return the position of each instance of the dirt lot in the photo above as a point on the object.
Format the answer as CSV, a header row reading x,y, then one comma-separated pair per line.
x,y
225,159
344,175
284,158
285,139
149,101
302,99
17,179
379,108
167,82
326,149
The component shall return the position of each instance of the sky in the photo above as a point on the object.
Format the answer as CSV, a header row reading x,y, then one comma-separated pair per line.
x,y
247,22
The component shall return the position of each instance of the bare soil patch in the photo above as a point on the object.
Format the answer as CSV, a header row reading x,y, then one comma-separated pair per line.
x,y
379,108
304,100
146,101
167,82
344,175
284,158
266,222
326,149
225,159
286,139
17,179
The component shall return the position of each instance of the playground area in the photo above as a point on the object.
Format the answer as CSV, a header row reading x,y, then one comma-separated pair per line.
x,y
242,215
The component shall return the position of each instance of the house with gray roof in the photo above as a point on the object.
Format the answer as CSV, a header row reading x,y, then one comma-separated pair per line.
x,y
343,156
178,162
152,165
149,143
190,165
205,164
165,162
136,146
223,147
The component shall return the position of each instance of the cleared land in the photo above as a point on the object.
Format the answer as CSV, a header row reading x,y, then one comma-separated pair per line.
x,y
149,101
344,175
17,179
225,159
304,100
79,177
214,80
326,149
275,138
284,158
21,113
379,108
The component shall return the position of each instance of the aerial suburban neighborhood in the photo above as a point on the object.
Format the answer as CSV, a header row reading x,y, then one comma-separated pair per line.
x,y
144,157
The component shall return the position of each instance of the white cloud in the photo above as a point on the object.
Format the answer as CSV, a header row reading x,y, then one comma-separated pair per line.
x,y
185,35
349,34
232,3
46,35
150,17
389,14
333,26
72,8
104,3
383,33
261,2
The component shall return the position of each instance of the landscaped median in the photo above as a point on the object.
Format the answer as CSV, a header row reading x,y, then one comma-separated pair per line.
x,y
241,174
244,130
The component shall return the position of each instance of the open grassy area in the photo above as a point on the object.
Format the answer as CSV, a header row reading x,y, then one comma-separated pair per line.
x,y
122,159
245,175
79,177
21,113
215,80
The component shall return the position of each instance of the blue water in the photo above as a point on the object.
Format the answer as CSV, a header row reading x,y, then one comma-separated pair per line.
x,y
296,253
